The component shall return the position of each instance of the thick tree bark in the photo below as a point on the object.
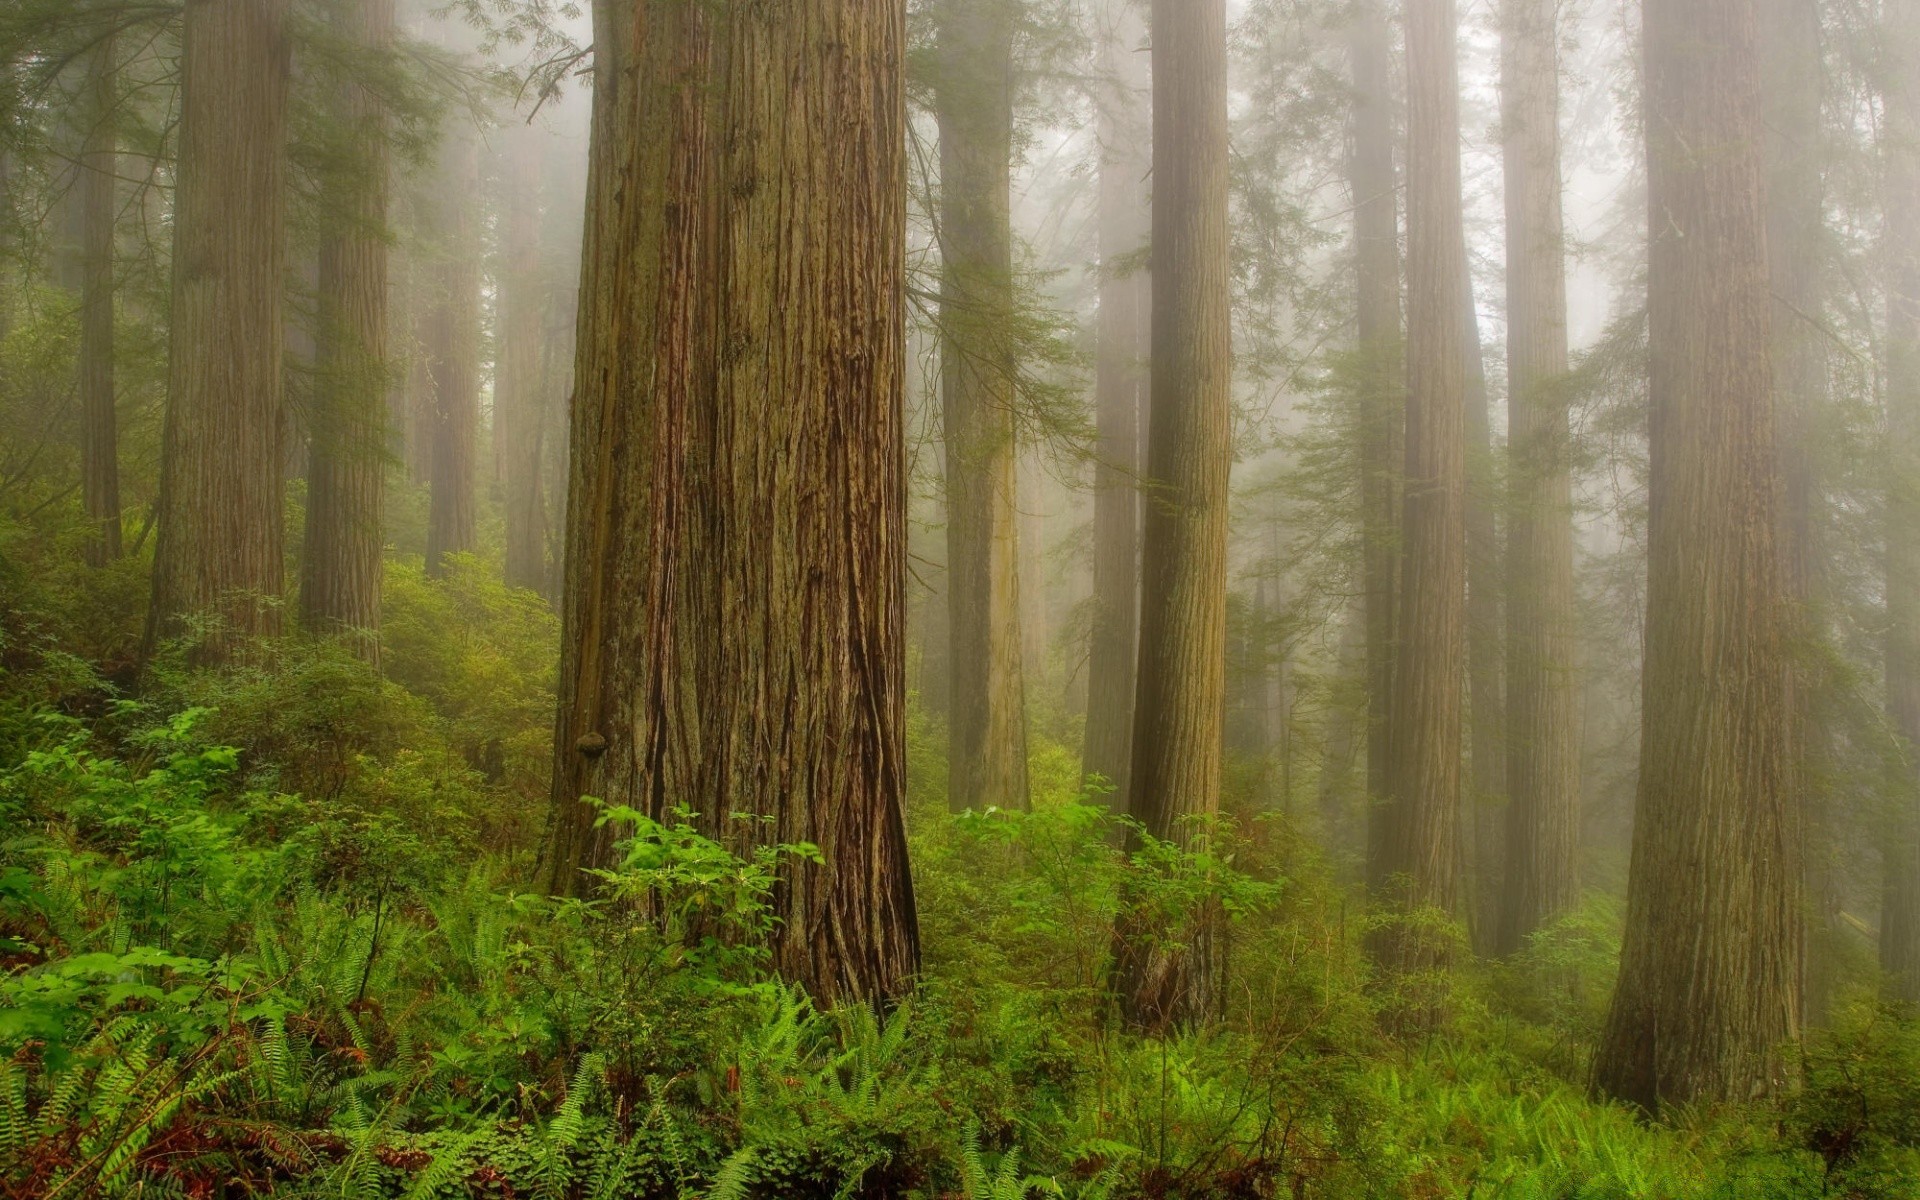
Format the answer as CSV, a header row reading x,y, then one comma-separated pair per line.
x,y
347,459
1790,39
1180,706
451,342
986,713
1709,969
220,547
734,614
99,424
1120,387
1900,903
1543,714
1424,813
1382,384
522,389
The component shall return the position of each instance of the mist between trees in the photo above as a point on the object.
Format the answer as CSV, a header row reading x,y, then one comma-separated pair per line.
x,y
985,598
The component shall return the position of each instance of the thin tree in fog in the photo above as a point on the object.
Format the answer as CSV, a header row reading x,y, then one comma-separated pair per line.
x,y
99,420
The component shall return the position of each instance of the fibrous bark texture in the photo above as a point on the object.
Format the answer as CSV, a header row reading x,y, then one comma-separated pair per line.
x,y
736,531
1120,389
1424,808
1382,387
1180,705
1542,879
1708,987
219,553
451,342
986,712
347,456
1900,902
99,424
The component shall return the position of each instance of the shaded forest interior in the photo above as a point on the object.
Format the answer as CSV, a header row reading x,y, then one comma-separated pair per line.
x,y
1114,599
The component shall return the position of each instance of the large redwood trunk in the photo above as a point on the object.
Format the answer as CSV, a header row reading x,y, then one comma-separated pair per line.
x,y
1709,971
734,613
220,547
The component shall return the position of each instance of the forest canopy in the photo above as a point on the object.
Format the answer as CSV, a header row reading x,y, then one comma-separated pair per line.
x,y
1115,599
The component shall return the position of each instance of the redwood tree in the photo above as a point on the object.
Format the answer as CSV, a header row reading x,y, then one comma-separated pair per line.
x,y
736,528
219,553
347,455
1709,967
99,423
451,343
973,99
1180,705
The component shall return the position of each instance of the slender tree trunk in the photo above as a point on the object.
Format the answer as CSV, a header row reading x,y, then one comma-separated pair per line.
x,y
99,424
1709,967
1543,698
522,390
1790,38
220,548
347,461
1120,386
452,345
1900,904
1484,841
1424,816
1379,350
1180,707
987,754
734,615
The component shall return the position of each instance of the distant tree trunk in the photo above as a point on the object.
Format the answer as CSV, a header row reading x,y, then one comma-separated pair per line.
x,y
734,615
220,546
347,460
1790,39
1180,706
452,345
1424,817
987,755
1120,386
1709,967
1900,904
1486,712
1380,353
521,391
1543,698
99,425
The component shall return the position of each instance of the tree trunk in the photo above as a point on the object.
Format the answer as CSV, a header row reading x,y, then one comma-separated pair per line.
x,y
1543,699
347,459
1381,380
1484,840
1790,39
219,553
452,345
1180,706
1709,966
734,614
1424,816
99,424
522,389
1900,905
1120,386
987,750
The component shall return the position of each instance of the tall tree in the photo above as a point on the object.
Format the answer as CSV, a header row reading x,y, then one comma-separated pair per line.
x,y
1180,705
348,438
219,552
1484,836
734,613
1709,967
1900,904
1378,352
1424,813
451,342
521,390
1120,386
1542,879
99,423
986,710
